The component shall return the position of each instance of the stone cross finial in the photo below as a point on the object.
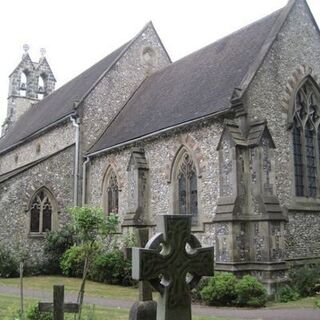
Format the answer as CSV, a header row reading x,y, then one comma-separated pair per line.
x,y
58,306
43,52
173,262
25,49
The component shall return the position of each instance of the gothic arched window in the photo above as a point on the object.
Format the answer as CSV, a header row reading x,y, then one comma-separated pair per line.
x,y
41,212
186,191
111,192
306,140
42,86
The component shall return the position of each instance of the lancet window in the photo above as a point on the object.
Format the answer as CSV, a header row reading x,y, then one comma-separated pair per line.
x,y
111,193
41,212
306,140
186,186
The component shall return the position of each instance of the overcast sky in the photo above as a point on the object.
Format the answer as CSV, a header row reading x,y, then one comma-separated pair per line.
x,y
78,33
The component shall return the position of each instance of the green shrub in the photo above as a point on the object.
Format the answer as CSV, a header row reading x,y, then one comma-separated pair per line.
x,y
250,292
33,313
317,303
196,292
72,261
112,268
56,244
9,266
286,294
220,290
306,280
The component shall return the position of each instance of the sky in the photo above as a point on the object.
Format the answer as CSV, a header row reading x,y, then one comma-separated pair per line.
x,y
78,33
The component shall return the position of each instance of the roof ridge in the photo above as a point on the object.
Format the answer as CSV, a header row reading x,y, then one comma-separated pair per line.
x,y
115,116
232,34
266,46
125,49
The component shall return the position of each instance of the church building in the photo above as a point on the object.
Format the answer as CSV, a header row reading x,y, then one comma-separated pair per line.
x,y
229,134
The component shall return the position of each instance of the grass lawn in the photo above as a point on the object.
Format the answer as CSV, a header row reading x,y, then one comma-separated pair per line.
x,y
9,305
308,302
72,285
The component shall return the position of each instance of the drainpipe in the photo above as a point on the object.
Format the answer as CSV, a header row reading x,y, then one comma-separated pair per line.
x,y
84,180
75,123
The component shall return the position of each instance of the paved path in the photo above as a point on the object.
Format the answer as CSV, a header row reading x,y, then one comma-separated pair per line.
x,y
233,313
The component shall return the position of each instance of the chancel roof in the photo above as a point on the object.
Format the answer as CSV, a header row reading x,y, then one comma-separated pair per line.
x,y
197,86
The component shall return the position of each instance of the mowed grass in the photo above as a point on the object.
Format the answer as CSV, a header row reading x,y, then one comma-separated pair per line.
x,y
308,302
72,285
9,308
9,305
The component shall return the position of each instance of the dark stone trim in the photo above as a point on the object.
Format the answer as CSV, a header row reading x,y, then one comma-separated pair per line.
x,y
261,217
251,266
303,261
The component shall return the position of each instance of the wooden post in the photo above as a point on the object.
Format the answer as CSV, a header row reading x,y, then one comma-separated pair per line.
x,y
58,306
58,302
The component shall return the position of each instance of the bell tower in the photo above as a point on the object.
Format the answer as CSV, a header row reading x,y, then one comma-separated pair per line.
x,y
28,83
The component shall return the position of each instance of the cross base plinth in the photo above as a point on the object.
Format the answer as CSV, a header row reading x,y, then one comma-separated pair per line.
x,y
143,310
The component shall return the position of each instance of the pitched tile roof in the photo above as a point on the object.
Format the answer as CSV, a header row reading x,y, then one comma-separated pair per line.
x,y
199,85
59,104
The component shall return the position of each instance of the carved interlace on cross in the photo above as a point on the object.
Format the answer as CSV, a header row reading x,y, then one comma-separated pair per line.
x,y
173,262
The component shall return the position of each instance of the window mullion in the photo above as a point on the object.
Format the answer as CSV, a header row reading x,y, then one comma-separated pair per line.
x,y
317,157
41,216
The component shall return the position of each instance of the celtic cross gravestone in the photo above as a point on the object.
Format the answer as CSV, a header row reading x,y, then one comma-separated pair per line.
x,y
173,262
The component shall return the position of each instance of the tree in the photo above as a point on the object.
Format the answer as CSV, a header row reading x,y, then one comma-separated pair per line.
x,y
91,227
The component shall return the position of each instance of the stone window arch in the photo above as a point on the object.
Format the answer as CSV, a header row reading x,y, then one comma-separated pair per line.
x,y
110,192
306,139
42,86
23,83
42,209
184,176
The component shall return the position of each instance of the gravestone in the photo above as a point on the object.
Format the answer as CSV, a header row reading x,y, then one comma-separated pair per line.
x,y
58,306
145,308
173,262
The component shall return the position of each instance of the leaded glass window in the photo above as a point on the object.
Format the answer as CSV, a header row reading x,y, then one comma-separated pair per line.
x,y
187,192
41,212
112,193
306,140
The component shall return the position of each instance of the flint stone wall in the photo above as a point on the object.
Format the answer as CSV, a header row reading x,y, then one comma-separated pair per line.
x,y
297,44
56,175
116,87
50,142
201,139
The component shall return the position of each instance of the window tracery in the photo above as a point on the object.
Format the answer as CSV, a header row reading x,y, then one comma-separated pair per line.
x,y
41,211
111,193
306,140
187,191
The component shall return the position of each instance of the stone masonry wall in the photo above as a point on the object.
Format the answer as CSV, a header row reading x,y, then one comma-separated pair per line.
x,y
144,56
50,142
297,44
201,139
56,174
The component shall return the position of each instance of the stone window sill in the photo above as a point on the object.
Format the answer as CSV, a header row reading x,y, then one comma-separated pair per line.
x,y
37,235
304,204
